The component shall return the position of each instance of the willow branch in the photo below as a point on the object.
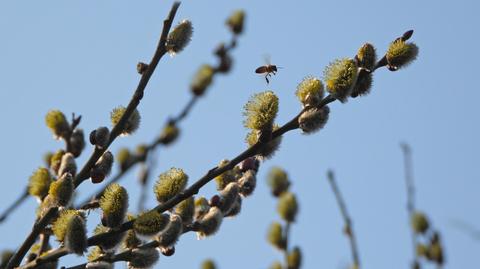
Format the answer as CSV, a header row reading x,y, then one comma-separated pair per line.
x,y
410,187
14,205
286,238
346,218
117,129
194,188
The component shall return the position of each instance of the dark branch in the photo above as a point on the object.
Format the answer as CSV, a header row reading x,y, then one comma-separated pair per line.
x,y
348,229
14,205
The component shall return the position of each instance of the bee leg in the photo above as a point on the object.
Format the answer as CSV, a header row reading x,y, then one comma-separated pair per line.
x,y
266,78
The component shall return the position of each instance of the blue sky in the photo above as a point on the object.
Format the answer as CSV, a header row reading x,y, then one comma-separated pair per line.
x,y
80,56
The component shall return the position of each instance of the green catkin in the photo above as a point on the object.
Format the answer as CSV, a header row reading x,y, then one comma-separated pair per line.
x,y
278,181
268,149
276,265
275,235
186,210
401,53
236,22
287,206
39,183
60,225
132,123
419,222
202,79
56,160
114,204
310,91
169,236
260,111
61,190
294,258
367,56
58,124
313,119
340,78
169,134
149,224
124,158
67,165
76,235
208,264
179,37
110,243
169,184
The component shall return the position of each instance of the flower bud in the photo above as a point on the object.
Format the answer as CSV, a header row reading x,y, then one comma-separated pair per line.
x,y
287,206
114,204
419,223
260,111
186,210
149,224
363,86
435,253
132,123
56,160
102,167
225,64
169,184
62,189
249,164
100,137
278,181
57,123
67,165
422,250
60,225
202,79
210,223
366,56
276,265
313,119
235,21
141,68
228,196
111,243
39,183
401,54
143,258
248,182
208,264
275,236
76,235
77,142
310,91
201,207
340,78
235,208
179,37
294,258
226,177
169,236
169,134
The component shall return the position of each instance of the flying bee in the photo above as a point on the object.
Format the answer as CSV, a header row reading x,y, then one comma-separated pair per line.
x,y
268,70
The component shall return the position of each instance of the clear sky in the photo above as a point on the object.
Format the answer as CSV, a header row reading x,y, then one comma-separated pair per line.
x,y
80,56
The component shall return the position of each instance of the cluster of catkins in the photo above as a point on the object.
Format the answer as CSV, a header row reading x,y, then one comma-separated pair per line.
x,y
431,248
287,208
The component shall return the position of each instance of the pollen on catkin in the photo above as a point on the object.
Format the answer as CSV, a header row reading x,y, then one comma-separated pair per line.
x,y
61,190
202,79
208,264
67,165
313,119
294,258
56,160
58,124
76,235
210,223
401,53
141,258
236,21
149,224
268,149
419,222
60,225
310,91
39,183
278,181
102,167
367,56
112,241
77,142
132,123
169,236
260,111
275,235
226,177
169,184
186,209
287,206
169,134
179,37
114,204
340,78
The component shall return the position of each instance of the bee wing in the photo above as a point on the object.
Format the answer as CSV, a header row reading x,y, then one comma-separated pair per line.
x,y
267,59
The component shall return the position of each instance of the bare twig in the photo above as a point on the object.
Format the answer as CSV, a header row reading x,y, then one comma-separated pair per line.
x,y
14,205
348,229
410,186
117,129
286,236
